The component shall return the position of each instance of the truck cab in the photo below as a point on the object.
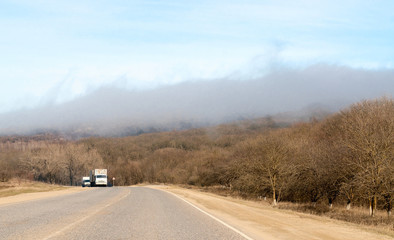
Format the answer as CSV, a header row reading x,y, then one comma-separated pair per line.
x,y
98,177
101,180
85,181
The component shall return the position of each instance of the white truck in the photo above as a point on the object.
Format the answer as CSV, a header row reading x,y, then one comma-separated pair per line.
x,y
85,181
98,177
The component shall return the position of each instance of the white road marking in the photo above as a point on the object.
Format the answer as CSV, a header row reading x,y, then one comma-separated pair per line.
x,y
84,218
213,217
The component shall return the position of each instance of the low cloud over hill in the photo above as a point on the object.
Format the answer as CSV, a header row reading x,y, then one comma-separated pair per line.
x,y
111,111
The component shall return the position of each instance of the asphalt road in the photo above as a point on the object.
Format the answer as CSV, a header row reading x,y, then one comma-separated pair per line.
x,y
110,213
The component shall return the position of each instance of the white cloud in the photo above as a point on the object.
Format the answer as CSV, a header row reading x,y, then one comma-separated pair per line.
x,y
151,43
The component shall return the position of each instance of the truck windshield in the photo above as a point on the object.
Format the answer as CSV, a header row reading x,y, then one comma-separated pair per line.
x,y
86,180
101,176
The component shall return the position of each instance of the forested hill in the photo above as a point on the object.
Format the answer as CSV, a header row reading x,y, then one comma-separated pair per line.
x,y
346,157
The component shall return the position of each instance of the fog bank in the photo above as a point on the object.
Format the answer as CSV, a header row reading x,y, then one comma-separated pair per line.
x,y
111,111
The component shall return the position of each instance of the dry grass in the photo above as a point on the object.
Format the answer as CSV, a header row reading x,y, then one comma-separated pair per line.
x,y
18,186
358,215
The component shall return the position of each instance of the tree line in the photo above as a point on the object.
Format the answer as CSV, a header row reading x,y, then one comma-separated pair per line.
x,y
345,158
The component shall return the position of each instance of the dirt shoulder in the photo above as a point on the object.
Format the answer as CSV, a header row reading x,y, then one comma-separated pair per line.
x,y
260,221
39,195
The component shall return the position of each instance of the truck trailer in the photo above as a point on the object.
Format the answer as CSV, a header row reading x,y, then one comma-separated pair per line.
x,y
98,177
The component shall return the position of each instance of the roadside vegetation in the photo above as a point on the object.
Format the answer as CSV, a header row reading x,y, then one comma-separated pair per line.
x,y
18,186
333,166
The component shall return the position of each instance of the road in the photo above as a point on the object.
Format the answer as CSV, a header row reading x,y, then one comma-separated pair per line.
x,y
110,213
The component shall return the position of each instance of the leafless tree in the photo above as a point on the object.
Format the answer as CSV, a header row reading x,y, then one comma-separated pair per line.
x,y
367,131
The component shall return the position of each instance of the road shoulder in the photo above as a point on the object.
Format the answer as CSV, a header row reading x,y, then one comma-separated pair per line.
x,y
24,197
261,221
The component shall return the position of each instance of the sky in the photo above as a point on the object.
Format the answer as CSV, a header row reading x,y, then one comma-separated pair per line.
x,y
55,51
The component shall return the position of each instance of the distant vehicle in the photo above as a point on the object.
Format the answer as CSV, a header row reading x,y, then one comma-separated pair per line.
x,y
98,177
85,181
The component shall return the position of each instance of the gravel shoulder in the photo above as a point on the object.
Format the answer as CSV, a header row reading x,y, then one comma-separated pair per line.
x,y
260,221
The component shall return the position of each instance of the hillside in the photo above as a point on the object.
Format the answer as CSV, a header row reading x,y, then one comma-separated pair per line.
x,y
343,159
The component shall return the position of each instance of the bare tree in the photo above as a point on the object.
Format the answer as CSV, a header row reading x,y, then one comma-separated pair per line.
x,y
266,158
367,131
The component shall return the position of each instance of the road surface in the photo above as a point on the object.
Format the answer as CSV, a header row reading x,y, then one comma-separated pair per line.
x,y
110,213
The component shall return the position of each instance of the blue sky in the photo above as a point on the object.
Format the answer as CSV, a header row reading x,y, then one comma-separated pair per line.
x,y
54,51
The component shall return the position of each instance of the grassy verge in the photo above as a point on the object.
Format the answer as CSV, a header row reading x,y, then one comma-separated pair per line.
x,y
358,215
19,186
